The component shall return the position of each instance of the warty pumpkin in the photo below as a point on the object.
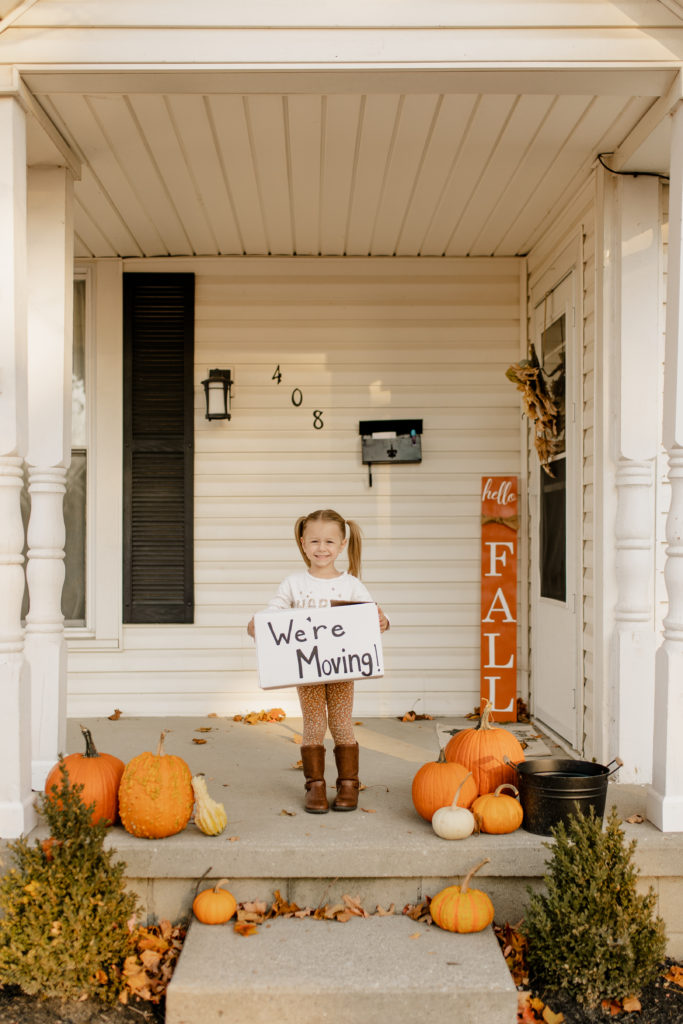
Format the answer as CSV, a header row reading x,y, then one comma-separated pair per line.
x,y
435,784
497,813
99,774
156,795
483,751
214,906
457,908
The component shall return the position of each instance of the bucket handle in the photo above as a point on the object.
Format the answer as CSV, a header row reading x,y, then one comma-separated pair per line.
x,y
616,761
506,760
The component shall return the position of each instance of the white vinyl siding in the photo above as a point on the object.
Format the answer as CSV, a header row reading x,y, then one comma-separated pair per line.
x,y
361,339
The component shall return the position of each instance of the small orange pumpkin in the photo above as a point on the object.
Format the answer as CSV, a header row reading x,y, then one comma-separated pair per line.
x,y
483,751
497,813
435,785
214,906
99,774
458,908
156,795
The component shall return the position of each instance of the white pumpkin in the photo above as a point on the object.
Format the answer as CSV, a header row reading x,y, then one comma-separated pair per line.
x,y
454,822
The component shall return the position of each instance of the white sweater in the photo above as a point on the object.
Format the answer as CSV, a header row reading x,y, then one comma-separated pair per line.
x,y
301,590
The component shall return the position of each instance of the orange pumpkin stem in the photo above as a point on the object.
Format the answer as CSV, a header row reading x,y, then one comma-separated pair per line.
x,y
507,785
457,792
160,748
485,719
90,748
473,871
219,883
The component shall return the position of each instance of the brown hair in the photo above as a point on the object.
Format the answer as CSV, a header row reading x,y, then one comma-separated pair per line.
x,y
330,516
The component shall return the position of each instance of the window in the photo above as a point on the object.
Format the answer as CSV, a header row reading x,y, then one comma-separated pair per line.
x,y
553,554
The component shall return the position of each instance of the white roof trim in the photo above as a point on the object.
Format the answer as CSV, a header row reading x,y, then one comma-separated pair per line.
x,y
13,15
674,6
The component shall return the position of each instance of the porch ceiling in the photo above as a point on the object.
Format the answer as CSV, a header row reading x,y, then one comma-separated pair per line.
x,y
357,163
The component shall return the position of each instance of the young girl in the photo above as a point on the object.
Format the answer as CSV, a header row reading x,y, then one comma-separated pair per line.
x,y
321,538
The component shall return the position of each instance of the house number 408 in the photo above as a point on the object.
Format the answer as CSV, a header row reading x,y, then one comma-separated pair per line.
x,y
297,398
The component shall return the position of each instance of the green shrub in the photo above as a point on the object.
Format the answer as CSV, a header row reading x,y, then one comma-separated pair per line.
x,y
591,935
64,930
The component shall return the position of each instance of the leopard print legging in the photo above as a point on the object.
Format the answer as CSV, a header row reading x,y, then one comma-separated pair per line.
x,y
326,704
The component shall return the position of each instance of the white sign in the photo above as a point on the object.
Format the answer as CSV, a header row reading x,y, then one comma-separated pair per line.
x,y
301,646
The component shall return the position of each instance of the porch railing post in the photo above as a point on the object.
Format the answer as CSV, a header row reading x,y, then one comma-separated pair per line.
x,y
665,795
17,814
50,332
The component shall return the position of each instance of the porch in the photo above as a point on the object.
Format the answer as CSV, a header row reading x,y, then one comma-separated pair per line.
x,y
382,854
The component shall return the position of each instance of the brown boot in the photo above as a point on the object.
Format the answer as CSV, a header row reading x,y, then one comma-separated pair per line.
x,y
313,759
347,783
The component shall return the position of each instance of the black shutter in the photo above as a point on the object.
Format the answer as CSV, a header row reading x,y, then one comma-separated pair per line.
x,y
158,329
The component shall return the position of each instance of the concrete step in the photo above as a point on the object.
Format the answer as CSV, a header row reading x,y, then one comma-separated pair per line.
x,y
364,971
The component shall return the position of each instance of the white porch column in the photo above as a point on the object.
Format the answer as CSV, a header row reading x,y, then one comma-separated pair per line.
x,y
50,329
665,795
637,437
17,814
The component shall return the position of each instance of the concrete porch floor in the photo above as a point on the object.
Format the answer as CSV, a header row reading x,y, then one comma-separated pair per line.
x,y
383,853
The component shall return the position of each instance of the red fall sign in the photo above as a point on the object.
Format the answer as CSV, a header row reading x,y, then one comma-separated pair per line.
x,y
499,540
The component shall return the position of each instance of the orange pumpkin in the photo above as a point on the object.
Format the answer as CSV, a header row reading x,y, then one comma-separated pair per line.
x,y
99,774
497,813
214,906
156,795
436,783
483,750
458,908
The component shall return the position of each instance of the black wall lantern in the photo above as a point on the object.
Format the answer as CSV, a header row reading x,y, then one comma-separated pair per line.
x,y
217,392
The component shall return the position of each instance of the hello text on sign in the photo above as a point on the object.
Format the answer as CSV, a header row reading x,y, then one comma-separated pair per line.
x,y
303,646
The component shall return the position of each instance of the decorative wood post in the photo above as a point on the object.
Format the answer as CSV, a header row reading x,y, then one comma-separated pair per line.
x,y
17,814
638,356
50,331
665,795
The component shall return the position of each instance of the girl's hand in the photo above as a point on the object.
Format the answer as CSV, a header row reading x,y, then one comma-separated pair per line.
x,y
250,627
383,620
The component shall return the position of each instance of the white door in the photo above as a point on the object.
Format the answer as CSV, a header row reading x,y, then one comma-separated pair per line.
x,y
555,508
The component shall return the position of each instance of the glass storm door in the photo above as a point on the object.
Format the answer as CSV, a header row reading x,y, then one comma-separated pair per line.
x,y
555,525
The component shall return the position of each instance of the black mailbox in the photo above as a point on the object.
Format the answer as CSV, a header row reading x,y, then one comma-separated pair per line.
x,y
390,441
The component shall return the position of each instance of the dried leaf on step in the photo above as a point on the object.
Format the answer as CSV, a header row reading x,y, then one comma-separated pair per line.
x,y
369,810
204,728
244,928
196,740
297,739
380,912
418,911
289,814
636,819
358,723
354,906
212,714
115,717
298,765
281,907
233,839
415,935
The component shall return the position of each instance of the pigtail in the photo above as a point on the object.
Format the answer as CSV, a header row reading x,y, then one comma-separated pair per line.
x,y
298,535
354,547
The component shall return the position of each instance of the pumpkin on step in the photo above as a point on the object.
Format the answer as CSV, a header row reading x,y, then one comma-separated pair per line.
x,y
209,816
435,784
156,795
454,822
214,906
458,908
483,750
99,774
498,813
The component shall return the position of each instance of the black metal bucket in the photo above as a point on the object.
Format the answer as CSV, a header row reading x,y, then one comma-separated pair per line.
x,y
551,789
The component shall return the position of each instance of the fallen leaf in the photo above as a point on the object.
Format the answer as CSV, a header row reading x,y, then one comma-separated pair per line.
x,y
237,718
115,717
357,723
297,739
675,974
233,839
636,819
380,912
552,1018
631,1004
415,935
537,1004
204,728
289,814
245,928
354,906
280,907
369,810
212,714
197,741
298,765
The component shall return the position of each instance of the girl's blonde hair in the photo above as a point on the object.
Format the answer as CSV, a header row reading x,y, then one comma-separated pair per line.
x,y
330,516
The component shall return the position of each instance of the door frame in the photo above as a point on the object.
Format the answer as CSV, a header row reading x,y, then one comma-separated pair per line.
x,y
567,260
